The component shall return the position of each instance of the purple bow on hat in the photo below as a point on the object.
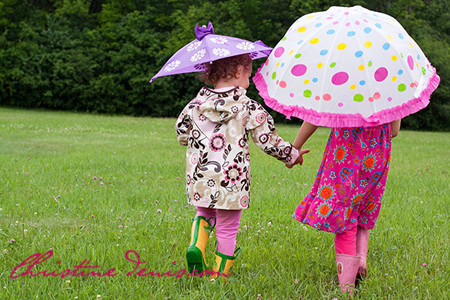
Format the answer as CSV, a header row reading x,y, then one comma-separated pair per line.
x,y
201,32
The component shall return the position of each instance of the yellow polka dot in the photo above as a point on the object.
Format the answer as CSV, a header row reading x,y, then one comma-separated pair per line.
x,y
341,46
417,64
361,67
319,65
292,51
367,44
310,16
302,29
314,41
353,86
394,78
306,81
394,58
389,37
278,64
410,44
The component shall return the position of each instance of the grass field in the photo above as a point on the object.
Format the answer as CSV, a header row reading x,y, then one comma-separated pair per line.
x,y
93,187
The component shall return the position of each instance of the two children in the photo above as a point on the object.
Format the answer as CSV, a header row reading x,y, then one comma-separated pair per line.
x,y
216,127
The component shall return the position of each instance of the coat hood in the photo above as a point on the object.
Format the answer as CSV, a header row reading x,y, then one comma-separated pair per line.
x,y
220,107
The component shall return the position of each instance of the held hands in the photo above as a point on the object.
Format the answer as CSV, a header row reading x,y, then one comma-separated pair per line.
x,y
299,160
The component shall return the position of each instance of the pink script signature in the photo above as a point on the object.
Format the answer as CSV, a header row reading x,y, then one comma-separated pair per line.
x,y
83,268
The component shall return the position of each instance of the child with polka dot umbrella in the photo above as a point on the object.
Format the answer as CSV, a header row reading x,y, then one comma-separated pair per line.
x,y
359,72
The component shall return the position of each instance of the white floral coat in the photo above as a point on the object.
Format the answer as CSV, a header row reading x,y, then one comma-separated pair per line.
x,y
215,127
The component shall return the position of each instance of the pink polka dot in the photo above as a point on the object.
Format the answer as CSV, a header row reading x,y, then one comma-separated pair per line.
x,y
278,81
291,95
339,78
416,83
412,85
298,70
283,84
317,98
267,74
376,96
278,52
357,22
389,99
365,21
410,62
346,13
347,24
327,97
329,18
335,22
371,99
381,74
267,62
340,104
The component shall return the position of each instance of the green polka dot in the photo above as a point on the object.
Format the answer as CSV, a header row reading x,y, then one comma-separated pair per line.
x,y
283,39
307,93
401,87
333,65
401,54
358,98
298,55
423,71
274,75
370,63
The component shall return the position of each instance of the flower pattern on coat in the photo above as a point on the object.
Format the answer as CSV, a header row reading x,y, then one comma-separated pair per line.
x,y
216,127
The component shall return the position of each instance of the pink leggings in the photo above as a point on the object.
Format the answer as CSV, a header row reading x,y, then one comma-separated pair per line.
x,y
345,243
227,224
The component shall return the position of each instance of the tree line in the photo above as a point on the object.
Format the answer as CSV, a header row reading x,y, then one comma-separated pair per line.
x,y
98,55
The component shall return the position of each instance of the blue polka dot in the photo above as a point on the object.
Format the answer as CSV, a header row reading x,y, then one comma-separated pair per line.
x,y
318,24
400,72
351,33
378,25
362,82
331,31
386,46
418,56
367,30
358,53
323,52
400,36
315,80
299,42
282,64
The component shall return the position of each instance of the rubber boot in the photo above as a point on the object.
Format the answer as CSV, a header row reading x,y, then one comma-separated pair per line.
x,y
223,265
195,255
362,242
347,267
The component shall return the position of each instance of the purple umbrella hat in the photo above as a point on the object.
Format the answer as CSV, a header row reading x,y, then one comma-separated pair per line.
x,y
208,47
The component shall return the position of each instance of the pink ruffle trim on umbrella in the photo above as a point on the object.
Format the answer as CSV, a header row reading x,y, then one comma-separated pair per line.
x,y
348,120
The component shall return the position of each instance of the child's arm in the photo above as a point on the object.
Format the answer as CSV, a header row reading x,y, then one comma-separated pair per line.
x,y
183,127
262,129
306,130
395,127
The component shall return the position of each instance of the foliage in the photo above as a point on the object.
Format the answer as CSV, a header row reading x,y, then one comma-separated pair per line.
x,y
98,55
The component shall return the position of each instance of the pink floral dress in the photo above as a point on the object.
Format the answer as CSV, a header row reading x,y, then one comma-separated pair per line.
x,y
350,183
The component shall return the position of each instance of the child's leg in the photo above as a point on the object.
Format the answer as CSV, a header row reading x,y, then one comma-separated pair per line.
x,y
345,243
362,242
347,262
205,212
201,228
226,230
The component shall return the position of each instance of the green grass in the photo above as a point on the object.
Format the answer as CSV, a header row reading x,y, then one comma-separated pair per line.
x,y
48,196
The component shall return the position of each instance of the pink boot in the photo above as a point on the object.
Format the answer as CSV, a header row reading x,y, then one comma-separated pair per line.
x,y
347,267
362,242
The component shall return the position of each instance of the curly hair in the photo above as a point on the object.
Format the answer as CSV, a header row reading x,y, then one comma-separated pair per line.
x,y
224,68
